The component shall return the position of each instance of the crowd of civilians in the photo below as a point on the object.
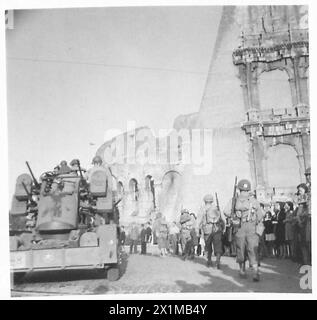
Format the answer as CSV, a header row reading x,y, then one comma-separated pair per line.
x,y
287,232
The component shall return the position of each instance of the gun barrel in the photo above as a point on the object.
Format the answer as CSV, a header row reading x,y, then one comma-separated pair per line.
x,y
32,175
26,190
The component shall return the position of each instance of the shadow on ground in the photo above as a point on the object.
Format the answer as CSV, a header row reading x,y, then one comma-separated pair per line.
x,y
272,280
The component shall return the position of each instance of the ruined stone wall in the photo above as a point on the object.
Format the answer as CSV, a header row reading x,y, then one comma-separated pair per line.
x,y
230,100
232,90
142,202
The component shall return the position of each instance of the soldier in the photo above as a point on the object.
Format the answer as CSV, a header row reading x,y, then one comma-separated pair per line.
x,y
212,227
74,166
247,210
64,168
96,162
57,169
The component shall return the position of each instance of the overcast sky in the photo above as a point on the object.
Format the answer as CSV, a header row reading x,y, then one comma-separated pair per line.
x,y
74,73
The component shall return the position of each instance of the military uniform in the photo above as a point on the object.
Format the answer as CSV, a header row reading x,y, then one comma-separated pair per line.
x,y
64,168
212,226
248,212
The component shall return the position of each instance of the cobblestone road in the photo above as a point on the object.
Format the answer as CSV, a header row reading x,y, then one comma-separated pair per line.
x,y
155,274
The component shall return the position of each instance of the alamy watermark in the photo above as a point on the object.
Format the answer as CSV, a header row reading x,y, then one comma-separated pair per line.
x,y
305,281
169,147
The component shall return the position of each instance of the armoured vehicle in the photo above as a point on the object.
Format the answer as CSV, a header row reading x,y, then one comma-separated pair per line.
x,y
66,220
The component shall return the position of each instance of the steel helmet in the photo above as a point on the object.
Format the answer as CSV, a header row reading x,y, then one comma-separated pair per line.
x,y
185,217
63,163
184,211
74,162
97,159
244,185
303,186
208,198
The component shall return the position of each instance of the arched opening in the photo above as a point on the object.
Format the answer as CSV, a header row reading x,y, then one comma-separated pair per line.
x,y
169,201
133,189
148,182
150,190
120,189
283,169
274,90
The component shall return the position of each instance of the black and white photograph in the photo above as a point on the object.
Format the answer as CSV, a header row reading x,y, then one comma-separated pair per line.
x,y
158,149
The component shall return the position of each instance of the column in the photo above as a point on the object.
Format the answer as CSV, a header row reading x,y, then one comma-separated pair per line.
x,y
255,98
244,86
303,80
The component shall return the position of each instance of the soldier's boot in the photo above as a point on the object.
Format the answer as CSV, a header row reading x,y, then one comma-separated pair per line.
x,y
242,273
218,261
256,274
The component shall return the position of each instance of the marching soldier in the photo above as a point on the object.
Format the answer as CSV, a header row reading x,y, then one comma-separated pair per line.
x,y
212,226
246,209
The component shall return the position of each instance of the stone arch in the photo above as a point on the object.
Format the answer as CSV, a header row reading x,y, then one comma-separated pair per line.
x,y
174,172
148,194
274,88
147,182
169,198
275,65
134,189
120,188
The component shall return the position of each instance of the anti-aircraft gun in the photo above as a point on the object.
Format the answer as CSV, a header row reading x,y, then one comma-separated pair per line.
x,y
65,221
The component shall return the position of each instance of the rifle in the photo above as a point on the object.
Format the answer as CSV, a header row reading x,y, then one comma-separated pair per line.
x,y
218,207
37,185
234,199
232,213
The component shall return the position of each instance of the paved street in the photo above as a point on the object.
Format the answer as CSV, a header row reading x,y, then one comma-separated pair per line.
x,y
154,274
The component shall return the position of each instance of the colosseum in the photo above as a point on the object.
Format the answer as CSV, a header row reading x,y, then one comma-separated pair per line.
x,y
255,103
